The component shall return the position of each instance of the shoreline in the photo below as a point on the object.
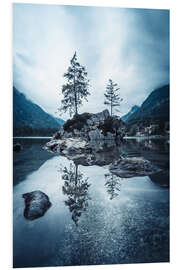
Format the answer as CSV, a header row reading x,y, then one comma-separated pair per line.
x,y
32,137
147,137
126,137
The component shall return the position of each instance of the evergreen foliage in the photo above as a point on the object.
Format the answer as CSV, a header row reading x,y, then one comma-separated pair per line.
x,y
76,188
107,126
113,185
29,119
77,122
76,87
112,97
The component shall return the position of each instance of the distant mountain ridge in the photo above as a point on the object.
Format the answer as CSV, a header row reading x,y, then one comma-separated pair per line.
x,y
126,116
59,120
154,108
30,119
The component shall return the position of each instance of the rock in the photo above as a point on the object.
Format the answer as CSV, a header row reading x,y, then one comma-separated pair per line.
x,y
132,167
17,147
67,146
95,135
53,145
100,117
103,157
89,122
57,135
86,133
109,136
37,203
161,178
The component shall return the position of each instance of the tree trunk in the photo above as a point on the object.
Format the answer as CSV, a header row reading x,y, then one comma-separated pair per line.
x,y
111,103
75,96
76,174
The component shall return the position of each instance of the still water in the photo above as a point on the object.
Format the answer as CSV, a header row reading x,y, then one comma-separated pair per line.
x,y
95,217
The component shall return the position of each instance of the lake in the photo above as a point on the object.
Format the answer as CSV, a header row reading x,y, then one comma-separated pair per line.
x,y
96,217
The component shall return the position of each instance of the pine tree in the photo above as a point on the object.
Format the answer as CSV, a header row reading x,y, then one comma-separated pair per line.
x,y
76,188
113,185
76,87
112,97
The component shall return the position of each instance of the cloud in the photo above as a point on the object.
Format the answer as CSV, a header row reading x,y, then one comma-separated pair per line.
x,y
130,46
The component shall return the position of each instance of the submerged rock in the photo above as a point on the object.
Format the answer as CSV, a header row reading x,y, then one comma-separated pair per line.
x,y
161,178
37,203
132,167
17,147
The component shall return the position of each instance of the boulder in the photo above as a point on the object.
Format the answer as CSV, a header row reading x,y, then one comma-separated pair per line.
x,y
17,147
132,167
99,117
95,135
161,178
37,203
67,145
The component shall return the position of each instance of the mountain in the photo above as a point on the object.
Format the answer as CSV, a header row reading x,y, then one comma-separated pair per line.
x,y
31,119
154,109
59,120
126,116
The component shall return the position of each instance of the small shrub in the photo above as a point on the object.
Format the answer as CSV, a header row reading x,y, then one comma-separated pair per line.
x,y
68,125
77,122
57,136
107,126
63,144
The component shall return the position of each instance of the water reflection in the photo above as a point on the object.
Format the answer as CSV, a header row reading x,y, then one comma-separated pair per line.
x,y
113,185
76,188
153,150
127,220
155,145
30,158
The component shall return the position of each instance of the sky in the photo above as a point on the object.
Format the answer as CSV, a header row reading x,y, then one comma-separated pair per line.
x,y
129,46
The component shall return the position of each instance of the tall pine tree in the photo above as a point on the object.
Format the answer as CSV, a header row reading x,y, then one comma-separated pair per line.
x,y
76,188
113,185
112,97
76,87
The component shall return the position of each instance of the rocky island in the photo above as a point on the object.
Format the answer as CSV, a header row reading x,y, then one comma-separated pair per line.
x,y
87,132
92,139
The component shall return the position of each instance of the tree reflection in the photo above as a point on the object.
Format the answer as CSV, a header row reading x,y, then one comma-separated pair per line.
x,y
76,188
113,185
